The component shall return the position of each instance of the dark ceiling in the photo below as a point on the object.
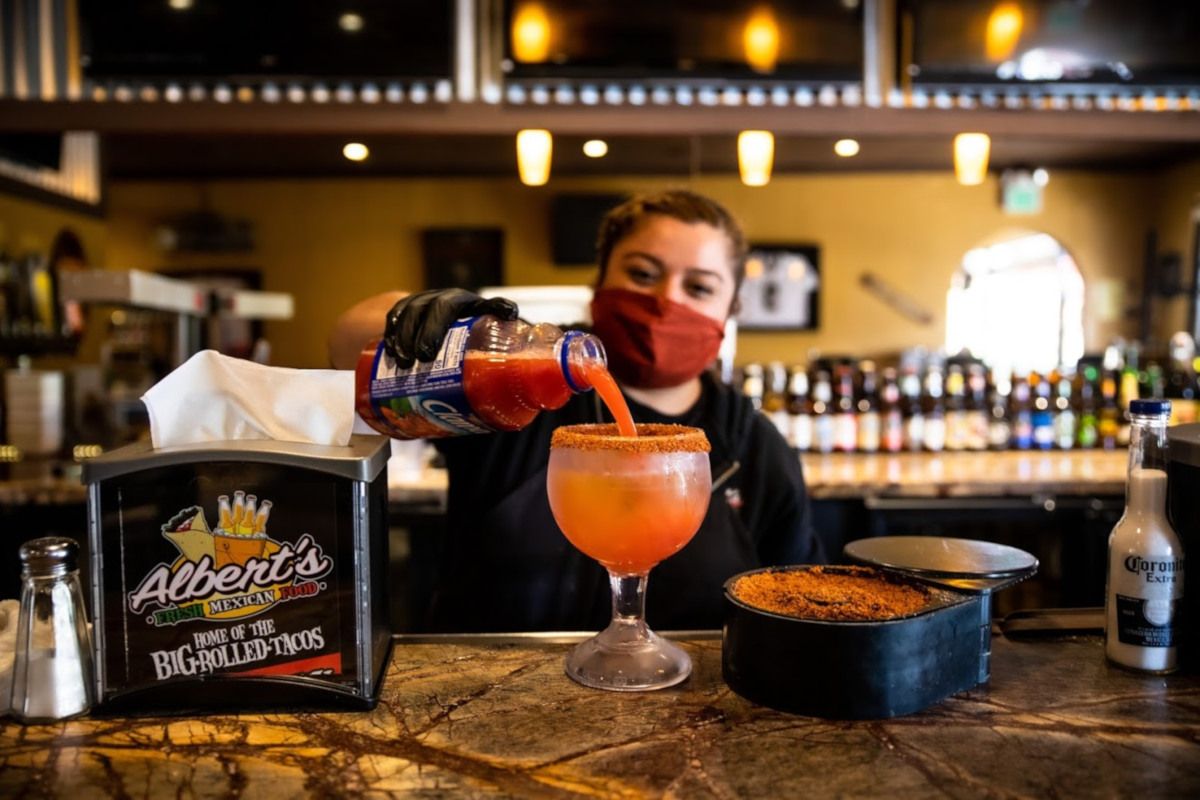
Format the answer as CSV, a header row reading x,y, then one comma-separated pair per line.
x,y
212,155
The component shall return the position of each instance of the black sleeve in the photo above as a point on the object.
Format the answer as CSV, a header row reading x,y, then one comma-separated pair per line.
x,y
782,517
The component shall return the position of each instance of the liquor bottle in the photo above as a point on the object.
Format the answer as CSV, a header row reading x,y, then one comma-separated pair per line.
x,y
1020,413
891,417
1108,424
977,408
754,385
1087,433
956,408
1042,417
822,413
1128,387
933,406
1151,380
911,409
867,405
845,417
999,427
1145,559
774,403
492,375
1181,386
799,406
1065,418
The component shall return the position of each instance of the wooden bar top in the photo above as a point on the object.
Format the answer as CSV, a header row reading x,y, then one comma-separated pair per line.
x,y
497,717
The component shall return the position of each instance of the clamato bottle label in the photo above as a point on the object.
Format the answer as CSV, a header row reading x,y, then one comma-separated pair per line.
x,y
489,375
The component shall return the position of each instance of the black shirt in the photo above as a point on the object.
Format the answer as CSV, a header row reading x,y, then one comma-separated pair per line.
x,y
505,565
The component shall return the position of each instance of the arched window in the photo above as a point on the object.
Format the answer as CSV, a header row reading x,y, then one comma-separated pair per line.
x,y
1018,303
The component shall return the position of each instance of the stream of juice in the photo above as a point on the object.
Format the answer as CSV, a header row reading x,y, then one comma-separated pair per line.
x,y
602,381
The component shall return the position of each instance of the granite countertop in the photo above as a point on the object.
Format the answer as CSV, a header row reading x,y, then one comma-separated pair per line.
x,y
485,717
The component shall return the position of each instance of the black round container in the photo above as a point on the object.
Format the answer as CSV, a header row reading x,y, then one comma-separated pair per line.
x,y
874,669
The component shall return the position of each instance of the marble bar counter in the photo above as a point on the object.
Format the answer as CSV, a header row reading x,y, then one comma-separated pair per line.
x,y
497,717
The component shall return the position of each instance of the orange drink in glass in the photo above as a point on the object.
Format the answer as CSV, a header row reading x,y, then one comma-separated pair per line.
x,y
628,502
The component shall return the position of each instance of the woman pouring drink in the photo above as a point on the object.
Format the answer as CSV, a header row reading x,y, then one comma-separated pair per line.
x,y
670,266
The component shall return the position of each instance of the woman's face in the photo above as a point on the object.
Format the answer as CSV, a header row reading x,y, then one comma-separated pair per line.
x,y
684,262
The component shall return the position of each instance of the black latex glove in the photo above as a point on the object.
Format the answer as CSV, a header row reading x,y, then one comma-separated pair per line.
x,y
417,324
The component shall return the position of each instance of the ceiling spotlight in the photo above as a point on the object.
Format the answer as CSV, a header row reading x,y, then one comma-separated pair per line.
x,y
180,5
1040,176
530,33
350,22
533,156
845,147
356,151
760,38
595,148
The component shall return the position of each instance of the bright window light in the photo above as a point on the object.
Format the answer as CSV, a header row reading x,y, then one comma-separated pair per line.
x,y
1033,273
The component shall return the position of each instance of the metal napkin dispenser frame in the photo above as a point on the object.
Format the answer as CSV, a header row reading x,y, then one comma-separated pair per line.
x,y
199,607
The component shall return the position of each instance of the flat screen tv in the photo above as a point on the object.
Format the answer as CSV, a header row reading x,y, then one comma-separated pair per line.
x,y
682,39
267,38
574,225
1049,42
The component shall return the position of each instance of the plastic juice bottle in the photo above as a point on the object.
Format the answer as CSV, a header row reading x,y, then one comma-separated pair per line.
x,y
1145,558
490,375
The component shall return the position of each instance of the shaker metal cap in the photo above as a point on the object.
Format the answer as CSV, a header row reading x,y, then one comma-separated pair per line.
x,y
49,556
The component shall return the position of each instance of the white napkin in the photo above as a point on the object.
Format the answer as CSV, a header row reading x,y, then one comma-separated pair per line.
x,y
212,397
9,611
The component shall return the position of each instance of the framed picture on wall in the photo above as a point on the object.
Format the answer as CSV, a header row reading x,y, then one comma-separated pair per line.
x,y
782,288
463,258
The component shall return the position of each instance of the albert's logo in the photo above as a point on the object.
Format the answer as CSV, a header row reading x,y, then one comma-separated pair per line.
x,y
233,571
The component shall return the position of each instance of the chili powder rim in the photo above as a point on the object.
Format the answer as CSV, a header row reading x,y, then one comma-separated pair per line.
x,y
939,597
652,438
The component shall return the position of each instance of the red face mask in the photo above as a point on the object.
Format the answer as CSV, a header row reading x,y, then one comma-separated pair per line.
x,y
652,342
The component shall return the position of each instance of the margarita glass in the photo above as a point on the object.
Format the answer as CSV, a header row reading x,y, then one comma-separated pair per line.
x,y
628,502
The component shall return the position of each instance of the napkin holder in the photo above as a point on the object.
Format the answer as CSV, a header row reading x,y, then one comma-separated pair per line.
x,y
196,612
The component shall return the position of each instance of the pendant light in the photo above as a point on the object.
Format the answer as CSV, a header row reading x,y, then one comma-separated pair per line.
x,y
756,151
533,156
971,157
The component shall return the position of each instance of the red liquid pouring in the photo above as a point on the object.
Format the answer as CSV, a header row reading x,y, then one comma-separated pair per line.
x,y
604,384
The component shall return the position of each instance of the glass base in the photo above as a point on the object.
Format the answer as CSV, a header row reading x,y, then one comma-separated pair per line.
x,y
628,657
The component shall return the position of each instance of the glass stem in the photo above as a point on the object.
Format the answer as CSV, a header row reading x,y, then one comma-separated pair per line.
x,y
628,599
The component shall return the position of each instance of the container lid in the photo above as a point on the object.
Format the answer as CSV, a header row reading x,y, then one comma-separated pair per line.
x,y
48,556
362,459
1149,407
967,565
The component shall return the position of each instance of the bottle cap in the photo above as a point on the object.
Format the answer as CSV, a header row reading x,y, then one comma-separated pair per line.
x,y
48,556
1149,408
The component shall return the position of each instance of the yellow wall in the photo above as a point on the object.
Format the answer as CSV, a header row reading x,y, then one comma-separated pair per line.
x,y
29,226
332,242
1176,196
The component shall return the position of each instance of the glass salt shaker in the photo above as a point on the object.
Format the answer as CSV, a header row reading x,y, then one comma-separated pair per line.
x,y
52,671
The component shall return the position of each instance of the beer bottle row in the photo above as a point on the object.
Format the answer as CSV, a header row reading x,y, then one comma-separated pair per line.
x,y
856,406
